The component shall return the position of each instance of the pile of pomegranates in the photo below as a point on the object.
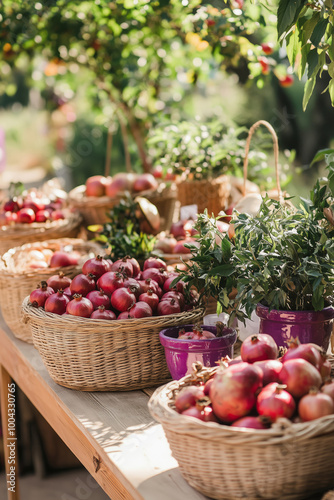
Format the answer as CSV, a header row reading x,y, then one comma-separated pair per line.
x,y
31,206
98,185
43,258
256,388
115,290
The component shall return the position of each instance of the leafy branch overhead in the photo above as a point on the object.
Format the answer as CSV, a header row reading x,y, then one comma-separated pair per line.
x,y
307,28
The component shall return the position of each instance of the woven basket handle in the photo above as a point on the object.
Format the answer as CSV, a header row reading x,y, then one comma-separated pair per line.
x,y
276,150
125,138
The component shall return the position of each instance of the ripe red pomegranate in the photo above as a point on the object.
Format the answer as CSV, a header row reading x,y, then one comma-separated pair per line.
x,y
145,182
62,259
123,266
39,296
149,283
154,262
102,313
310,352
57,303
299,376
140,310
167,285
135,267
57,215
179,297
258,348
59,281
99,298
67,292
121,182
167,307
80,306
96,266
274,402
180,247
204,413
82,284
11,205
233,389
252,423
96,185
42,216
187,397
25,216
122,299
315,405
271,369
110,281
328,388
158,275
150,298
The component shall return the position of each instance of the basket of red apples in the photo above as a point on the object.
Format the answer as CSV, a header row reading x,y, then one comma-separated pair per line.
x,y
254,427
34,216
101,332
22,268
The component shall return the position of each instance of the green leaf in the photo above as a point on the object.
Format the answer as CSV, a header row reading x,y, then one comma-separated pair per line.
x,y
308,89
312,61
293,46
287,14
223,270
303,60
331,91
319,32
320,155
309,26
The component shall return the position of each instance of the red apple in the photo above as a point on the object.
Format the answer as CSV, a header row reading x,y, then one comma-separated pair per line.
x,y
11,206
57,214
96,185
35,205
42,216
26,215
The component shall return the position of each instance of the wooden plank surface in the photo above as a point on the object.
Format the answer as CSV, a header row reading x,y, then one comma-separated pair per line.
x,y
112,433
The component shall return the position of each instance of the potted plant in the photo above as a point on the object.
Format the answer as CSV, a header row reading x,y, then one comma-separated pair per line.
x,y
280,262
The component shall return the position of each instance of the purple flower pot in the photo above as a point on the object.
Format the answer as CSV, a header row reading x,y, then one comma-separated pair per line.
x,y
182,353
308,326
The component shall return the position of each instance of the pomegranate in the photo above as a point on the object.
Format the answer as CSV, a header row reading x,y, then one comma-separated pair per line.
x,y
96,266
61,259
67,291
299,376
271,369
124,315
80,306
35,205
258,348
150,298
175,295
57,215
57,303
82,284
177,229
328,388
207,386
180,247
137,290
315,405
309,352
123,266
42,216
102,313
140,310
187,397
122,299
204,413
149,283
25,216
154,262
39,296
274,402
233,389
253,423
59,281
167,285
145,182
325,370
99,298
121,182
167,307
135,267
158,275
96,185
110,281
11,205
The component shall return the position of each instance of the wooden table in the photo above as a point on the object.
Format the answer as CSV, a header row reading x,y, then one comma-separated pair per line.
x,y
111,433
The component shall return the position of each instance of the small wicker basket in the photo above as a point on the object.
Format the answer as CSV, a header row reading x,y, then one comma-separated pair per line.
x,y
99,355
19,234
290,461
16,282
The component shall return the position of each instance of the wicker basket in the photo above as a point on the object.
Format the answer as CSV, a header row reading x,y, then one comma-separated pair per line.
x,y
16,282
98,355
19,234
164,198
289,461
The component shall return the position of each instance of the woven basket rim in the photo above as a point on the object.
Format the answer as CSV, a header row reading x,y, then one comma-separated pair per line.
x,y
160,407
6,272
209,180
22,230
97,325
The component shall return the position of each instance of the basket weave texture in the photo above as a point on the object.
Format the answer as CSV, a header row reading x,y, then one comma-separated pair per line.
x,y
19,234
289,461
16,282
212,194
99,355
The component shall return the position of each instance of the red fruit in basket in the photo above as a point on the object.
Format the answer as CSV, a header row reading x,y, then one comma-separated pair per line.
x,y
57,215
187,397
175,295
57,303
149,283
271,368
42,216
145,182
258,348
102,313
110,281
140,310
121,182
274,402
96,185
180,247
167,307
150,298
253,423
97,266
207,386
99,298
59,281
39,296
178,230
315,405
61,259
135,266
122,299
310,352
35,205
325,370
82,284
123,266
204,413
80,306
11,206
328,388
154,262
67,291
158,275
233,389
137,290
25,216
299,376
167,285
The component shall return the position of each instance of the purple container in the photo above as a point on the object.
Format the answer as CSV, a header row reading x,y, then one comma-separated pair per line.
x,y
182,353
308,326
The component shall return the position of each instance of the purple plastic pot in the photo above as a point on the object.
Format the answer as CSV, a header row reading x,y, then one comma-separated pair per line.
x,y
308,326
182,353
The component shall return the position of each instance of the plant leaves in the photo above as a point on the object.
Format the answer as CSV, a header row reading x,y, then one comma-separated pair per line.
x,y
319,32
287,13
309,87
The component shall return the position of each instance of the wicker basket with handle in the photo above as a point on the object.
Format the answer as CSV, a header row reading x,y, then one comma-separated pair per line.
x,y
16,281
290,461
99,355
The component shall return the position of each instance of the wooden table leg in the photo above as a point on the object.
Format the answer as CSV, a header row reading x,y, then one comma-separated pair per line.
x,y
8,414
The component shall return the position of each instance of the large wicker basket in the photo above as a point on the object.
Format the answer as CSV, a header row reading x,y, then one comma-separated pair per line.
x,y
289,461
99,355
16,282
19,234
